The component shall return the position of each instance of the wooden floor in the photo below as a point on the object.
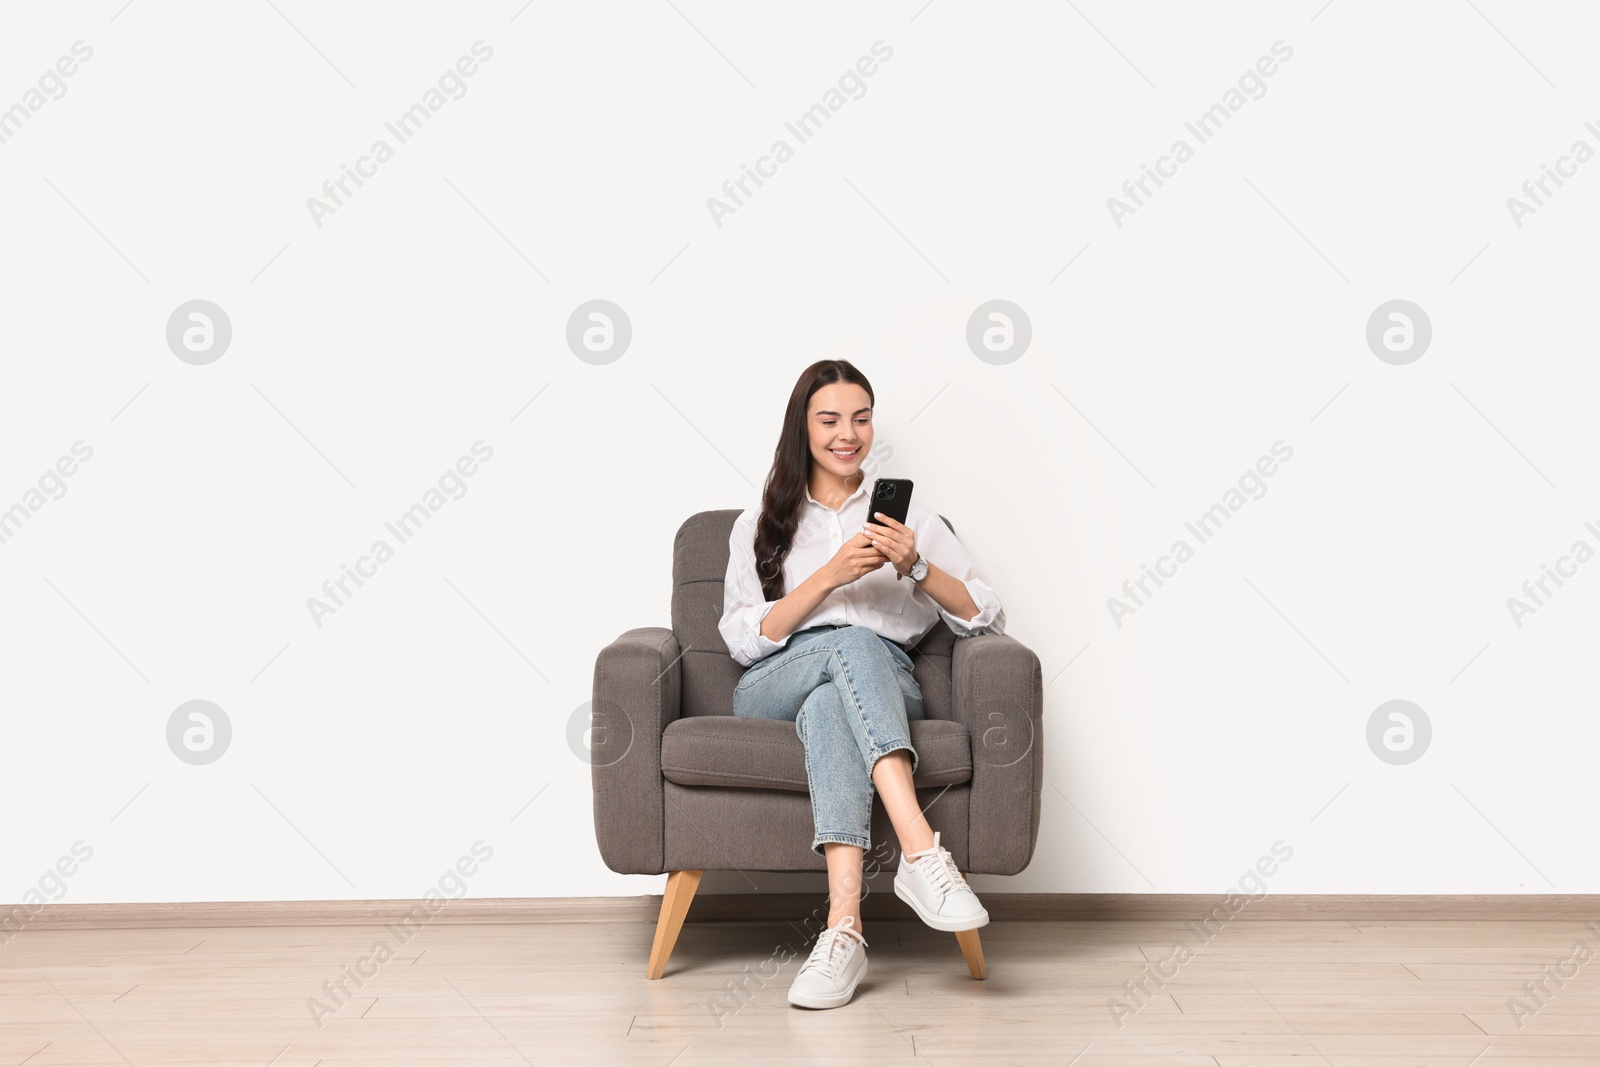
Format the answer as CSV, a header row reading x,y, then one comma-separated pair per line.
x,y
1258,994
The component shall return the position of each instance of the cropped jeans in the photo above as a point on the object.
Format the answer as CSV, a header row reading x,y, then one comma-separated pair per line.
x,y
851,695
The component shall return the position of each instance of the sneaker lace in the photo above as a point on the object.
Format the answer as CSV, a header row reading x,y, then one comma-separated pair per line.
x,y
941,872
825,955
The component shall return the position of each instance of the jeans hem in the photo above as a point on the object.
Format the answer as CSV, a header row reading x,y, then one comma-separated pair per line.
x,y
884,750
843,839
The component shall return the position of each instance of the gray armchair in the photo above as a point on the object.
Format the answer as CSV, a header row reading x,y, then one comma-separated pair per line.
x,y
682,786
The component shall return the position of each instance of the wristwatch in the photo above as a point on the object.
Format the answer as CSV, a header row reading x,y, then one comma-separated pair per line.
x,y
919,569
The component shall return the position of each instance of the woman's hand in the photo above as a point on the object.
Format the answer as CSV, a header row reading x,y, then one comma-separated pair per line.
x,y
856,557
894,539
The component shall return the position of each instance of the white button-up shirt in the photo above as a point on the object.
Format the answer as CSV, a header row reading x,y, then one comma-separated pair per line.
x,y
899,610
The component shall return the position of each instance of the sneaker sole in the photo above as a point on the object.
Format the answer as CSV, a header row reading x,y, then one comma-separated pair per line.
x,y
949,926
836,1000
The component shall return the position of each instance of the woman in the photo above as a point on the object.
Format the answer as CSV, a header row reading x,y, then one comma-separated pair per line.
x,y
823,624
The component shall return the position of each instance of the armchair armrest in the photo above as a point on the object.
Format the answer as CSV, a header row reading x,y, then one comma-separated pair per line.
x,y
637,690
998,692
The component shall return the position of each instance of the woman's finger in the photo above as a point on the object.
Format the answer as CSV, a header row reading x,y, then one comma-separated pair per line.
x,y
883,533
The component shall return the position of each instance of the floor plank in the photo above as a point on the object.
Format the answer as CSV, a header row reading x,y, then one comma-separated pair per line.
x,y
1248,994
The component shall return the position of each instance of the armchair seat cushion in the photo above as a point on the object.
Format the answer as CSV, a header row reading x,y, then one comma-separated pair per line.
x,y
725,750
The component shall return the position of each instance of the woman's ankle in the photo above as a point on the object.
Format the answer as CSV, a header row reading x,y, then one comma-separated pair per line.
x,y
835,920
919,839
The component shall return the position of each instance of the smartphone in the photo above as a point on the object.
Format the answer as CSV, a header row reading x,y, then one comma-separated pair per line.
x,y
892,496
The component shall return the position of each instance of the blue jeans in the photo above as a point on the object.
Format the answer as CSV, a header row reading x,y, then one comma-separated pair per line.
x,y
851,695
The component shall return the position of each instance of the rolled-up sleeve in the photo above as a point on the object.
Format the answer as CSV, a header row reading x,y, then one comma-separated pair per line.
x,y
945,551
744,605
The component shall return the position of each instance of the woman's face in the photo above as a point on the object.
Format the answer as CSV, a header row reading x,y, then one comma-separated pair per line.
x,y
839,417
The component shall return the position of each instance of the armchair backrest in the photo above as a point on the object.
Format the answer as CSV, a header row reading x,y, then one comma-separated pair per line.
x,y
699,565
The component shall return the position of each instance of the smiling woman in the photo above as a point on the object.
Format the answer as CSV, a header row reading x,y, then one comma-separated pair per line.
x,y
825,622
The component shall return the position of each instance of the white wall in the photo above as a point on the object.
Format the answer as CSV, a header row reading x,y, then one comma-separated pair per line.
x,y
1167,354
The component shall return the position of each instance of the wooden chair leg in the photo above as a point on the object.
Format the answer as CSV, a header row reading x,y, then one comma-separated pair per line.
x,y
972,949
681,886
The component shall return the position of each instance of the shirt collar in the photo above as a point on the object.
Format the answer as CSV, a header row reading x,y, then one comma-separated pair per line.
x,y
865,482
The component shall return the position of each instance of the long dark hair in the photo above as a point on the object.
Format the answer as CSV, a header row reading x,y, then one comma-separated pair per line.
x,y
785,490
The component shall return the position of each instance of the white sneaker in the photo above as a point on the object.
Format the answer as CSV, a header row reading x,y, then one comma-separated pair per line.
x,y
932,884
838,961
